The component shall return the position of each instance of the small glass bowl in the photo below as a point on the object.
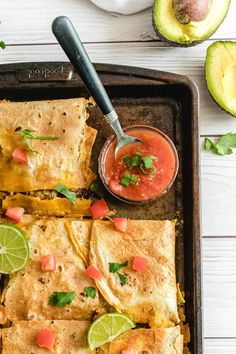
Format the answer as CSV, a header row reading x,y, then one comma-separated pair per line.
x,y
102,159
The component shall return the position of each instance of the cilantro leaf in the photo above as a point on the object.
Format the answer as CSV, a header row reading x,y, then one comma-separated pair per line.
x,y
66,192
90,292
224,145
209,144
61,299
95,188
115,267
2,45
27,134
123,279
228,140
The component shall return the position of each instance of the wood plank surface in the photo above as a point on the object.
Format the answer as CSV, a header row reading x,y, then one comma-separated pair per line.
x,y
219,287
212,119
131,40
218,173
218,178
30,21
220,346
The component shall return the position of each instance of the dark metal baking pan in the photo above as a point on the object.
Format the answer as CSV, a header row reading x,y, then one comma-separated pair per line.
x,y
140,96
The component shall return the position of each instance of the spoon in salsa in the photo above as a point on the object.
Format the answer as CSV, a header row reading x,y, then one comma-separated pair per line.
x,y
70,42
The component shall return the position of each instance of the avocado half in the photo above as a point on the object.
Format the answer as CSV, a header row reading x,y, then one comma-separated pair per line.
x,y
169,29
221,74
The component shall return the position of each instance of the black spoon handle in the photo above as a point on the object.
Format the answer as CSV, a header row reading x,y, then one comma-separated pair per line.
x,y
70,42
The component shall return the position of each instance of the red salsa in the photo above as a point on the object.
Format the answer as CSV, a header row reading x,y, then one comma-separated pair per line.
x,y
141,171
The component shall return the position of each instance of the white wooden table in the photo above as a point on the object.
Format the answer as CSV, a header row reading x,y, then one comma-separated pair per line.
x,y
130,40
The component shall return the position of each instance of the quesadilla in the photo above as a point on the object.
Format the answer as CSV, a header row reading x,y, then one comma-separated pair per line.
x,y
28,292
21,337
48,207
64,161
149,296
153,341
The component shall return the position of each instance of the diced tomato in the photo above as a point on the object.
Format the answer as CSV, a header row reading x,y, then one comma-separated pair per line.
x,y
93,273
121,224
48,263
46,339
15,213
129,351
140,264
19,155
99,209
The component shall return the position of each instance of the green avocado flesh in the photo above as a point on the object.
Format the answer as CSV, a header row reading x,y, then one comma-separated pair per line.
x,y
170,29
221,74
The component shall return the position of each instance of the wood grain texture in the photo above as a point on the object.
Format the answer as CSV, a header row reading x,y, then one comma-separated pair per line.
x,y
213,120
220,346
218,173
30,22
219,287
218,194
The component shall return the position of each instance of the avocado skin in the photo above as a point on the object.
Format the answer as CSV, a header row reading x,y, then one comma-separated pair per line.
x,y
172,43
183,45
213,98
222,108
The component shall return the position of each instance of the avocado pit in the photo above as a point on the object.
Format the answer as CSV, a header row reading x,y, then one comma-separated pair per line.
x,y
188,22
191,10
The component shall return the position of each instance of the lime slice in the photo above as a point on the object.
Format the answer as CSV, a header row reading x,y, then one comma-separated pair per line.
x,y
106,328
14,249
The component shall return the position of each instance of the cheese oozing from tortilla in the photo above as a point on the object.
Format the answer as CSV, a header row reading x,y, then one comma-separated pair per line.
x,y
48,207
64,161
27,294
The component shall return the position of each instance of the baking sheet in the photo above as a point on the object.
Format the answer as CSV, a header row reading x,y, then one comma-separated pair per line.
x,y
140,96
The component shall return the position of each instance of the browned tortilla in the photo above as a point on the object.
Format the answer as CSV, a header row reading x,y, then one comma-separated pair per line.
x,y
148,297
26,297
153,341
70,337
48,207
65,161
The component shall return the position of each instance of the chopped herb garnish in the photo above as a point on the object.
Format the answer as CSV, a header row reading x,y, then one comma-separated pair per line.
x,y
128,179
2,45
123,279
133,180
137,160
224,145
90,292
96,189
66,192
133,161
126,160
61,299
124,182
27,135
147,162
115,267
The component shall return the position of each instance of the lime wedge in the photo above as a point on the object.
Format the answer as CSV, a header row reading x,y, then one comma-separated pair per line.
x,y
106,328
14,249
